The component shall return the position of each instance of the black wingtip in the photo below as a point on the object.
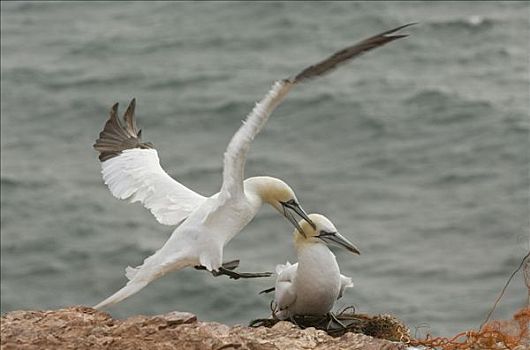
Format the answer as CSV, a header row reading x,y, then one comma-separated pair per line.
x,y
129,119
131,107
395,37
114,110
348,53
399,28
118,136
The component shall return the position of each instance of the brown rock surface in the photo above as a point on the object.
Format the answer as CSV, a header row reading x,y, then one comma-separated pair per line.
x,y
86,328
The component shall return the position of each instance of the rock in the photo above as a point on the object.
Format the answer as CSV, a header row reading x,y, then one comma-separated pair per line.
x,y
85,328
176,317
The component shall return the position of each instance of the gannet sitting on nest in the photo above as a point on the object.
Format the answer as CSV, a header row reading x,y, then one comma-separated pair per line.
x,y
314,283
131,169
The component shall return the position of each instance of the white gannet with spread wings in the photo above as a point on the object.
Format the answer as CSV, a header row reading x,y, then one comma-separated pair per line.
x,y
131,169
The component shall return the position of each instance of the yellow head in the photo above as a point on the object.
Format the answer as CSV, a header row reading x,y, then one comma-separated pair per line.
x,y
323,232
280,196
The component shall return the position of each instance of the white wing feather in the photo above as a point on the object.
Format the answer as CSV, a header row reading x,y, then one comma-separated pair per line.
x,y
236,152
284,294
287,271
136,175
345,282
131,169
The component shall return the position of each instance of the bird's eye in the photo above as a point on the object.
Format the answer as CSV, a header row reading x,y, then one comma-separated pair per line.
x,y
326,233
291,202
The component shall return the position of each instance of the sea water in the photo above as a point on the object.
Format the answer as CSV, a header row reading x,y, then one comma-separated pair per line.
x,y
418,151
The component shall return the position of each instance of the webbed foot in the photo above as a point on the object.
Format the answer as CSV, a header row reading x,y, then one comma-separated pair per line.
x,y
228,268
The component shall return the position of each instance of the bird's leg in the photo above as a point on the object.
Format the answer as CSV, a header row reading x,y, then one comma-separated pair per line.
x,y
228,267
237,275
332,318
231,265
293,320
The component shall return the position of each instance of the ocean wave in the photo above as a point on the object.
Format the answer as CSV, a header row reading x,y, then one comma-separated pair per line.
x,y
471,23
199,171
35,75
430,97
103,81
22,6
446,106
13,182
462,178
189,81
231,108
161,45
317,99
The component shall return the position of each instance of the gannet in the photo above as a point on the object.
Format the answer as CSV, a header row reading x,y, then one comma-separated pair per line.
x,y
131,170
313,284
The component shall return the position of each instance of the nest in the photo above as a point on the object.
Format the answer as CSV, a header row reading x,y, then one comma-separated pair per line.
x,y
378,326
511,334
495,335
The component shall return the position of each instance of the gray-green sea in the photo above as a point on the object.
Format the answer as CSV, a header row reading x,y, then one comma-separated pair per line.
x,y
418,151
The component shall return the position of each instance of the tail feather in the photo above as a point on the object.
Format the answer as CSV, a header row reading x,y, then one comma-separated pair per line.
x,y
130,288
153,268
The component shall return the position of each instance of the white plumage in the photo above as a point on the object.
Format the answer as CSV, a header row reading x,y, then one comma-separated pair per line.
x,y
131,169
207,223
137,175
314,283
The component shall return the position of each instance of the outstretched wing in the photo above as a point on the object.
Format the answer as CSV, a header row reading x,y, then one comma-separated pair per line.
x,y
131,169
236,152
235,155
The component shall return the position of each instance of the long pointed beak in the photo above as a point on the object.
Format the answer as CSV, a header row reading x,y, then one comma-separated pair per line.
x,y
298,210
340,240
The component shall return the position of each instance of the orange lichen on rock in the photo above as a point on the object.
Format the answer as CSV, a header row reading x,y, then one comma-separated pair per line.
x,y
494,335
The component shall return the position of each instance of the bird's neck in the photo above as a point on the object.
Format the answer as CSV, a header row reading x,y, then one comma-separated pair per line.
x,y
303,247
316,257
